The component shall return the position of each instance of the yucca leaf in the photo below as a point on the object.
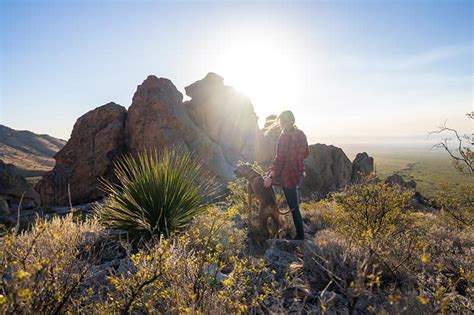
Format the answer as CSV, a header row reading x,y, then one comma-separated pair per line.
x,y
156,194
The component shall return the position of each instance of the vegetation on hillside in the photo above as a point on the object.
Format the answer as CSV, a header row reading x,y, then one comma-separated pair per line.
x,y
366,251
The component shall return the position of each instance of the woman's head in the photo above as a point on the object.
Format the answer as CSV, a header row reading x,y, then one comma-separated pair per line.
x,y
286,119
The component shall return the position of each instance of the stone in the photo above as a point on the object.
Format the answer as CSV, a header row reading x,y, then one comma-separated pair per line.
x,y
362,166
226,116
152,122
13,186
4,208
397,180
281,255
327,169
97,140
157,119
218,125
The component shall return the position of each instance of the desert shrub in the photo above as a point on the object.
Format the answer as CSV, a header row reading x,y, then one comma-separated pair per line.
x,y
456,204
348,279
378,217
237,194
157,194
421,259
443,273
202,270
369,213
316,215
58,267
43,269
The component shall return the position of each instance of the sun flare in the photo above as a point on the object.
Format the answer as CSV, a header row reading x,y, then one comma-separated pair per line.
x,y
262,70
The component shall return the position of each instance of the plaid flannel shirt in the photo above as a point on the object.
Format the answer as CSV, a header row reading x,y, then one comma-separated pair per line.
x,y
288,165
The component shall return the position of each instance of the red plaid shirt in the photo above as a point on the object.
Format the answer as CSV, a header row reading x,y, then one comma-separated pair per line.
x,y
288,165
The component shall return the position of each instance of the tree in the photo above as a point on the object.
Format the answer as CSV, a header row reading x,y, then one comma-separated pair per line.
x,y
462,154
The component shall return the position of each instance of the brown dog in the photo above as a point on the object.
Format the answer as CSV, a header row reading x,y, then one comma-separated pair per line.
x,y
267,206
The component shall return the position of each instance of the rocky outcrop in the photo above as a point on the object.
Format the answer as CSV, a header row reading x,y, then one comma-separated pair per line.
x,y
327,169
207,125
397,180
226,117
152,121
98,137
419,202
218,125
13,186
4,208
362,166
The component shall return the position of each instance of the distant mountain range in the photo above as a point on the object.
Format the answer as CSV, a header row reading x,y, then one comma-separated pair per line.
x,y
31,153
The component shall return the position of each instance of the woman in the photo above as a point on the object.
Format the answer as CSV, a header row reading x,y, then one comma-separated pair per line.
x,y
288,166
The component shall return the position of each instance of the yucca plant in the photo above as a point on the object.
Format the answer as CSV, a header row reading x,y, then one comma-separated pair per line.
x,y
156,194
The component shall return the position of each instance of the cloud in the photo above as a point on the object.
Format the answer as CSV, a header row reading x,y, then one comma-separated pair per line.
x,y
429,57
404,62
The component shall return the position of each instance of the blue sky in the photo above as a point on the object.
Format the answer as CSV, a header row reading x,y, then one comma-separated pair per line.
x,y
352,71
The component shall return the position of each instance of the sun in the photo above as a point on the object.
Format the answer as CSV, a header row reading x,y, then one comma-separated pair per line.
x,y
264,71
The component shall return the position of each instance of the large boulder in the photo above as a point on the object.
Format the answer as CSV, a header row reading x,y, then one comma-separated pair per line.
x,y
397,180
218,125
4,208
327,169
226,116
97,139
152,121
13,186
362,166
158,119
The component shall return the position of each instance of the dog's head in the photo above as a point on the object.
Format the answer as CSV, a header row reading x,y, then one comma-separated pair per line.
x,y
244,170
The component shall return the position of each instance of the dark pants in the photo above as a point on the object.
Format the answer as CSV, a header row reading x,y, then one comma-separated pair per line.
x,y
291,195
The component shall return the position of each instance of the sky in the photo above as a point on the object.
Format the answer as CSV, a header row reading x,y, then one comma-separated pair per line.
x,y
351,71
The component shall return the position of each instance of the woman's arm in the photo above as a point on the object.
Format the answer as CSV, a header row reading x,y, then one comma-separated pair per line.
x,y
281,152
306,154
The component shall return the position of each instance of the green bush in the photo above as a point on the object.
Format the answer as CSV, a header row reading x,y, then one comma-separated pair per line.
x,y
42,270
64,266
157,194
456,204
370,213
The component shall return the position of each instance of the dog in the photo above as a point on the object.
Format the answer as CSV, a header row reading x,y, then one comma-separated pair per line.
x,y
267,205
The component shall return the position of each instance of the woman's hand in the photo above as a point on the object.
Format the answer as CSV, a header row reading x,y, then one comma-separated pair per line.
x,y
267,181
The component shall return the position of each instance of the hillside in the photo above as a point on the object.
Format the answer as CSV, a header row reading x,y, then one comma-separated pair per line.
x,y
31,153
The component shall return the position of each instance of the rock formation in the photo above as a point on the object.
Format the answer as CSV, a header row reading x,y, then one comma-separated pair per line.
x,y
152,120
218,125
397,180
362,166
208,125
226,116
13,186
327,169
98,137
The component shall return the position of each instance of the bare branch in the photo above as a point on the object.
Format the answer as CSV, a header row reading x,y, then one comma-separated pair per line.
x,y
464,158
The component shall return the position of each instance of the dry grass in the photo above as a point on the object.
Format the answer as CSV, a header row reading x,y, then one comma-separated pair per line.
x,y
64,265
